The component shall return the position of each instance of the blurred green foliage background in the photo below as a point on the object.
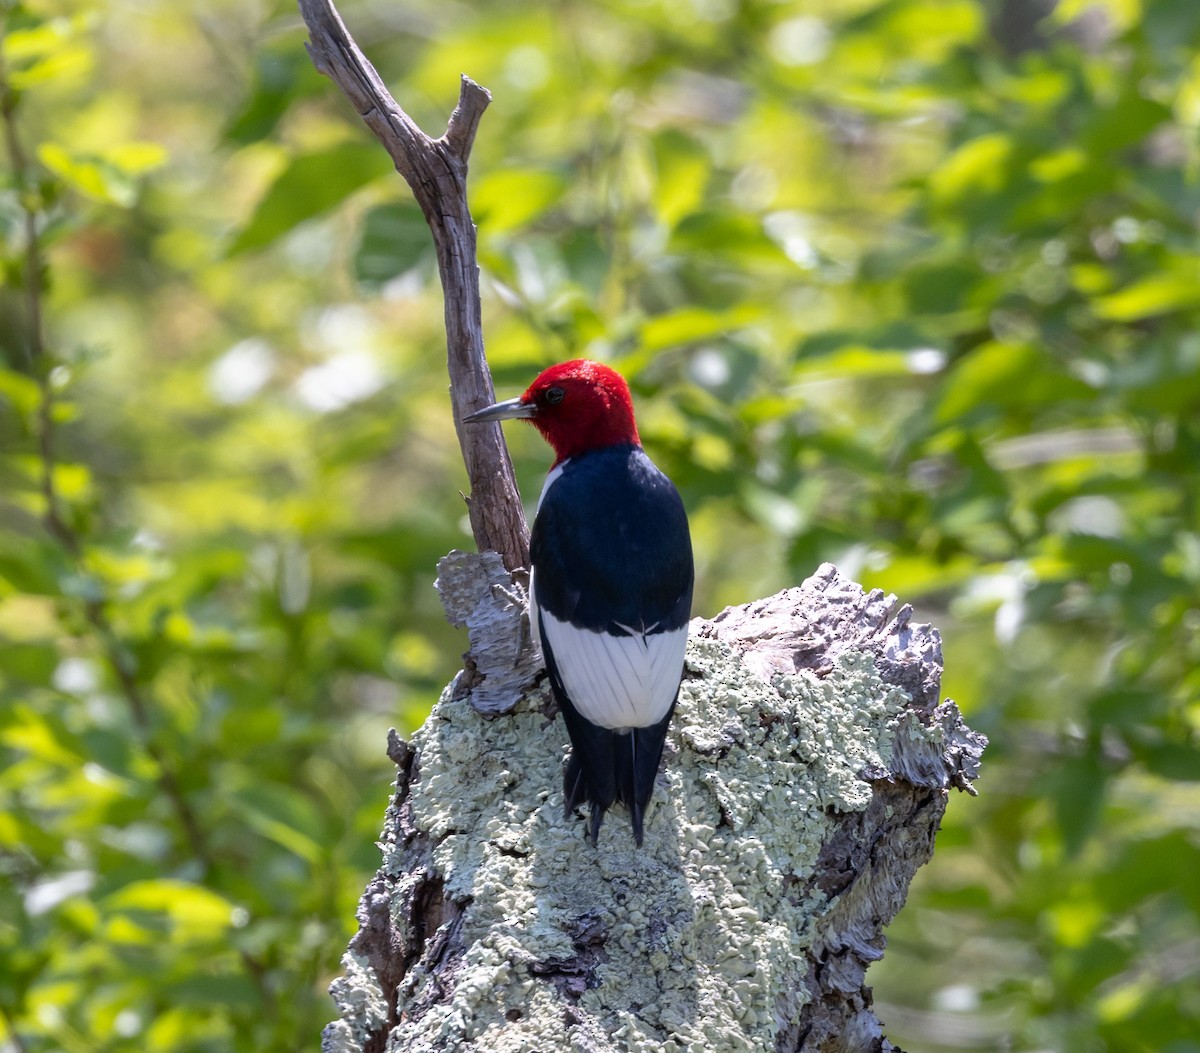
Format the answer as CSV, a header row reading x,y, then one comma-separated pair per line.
x,y
908,285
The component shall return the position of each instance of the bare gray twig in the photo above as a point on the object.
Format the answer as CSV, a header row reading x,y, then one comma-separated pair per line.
x,y
436,171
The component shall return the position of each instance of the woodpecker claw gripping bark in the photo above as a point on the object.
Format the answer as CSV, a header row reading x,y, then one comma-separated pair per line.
x,y
610,585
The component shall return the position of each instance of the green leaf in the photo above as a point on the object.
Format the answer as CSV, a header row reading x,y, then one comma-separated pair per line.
x,y
856,361
1128,122
283,73
86,175
136,158
979,166
194,913
684,167
47,52
284,817
393,239
940,288
310,185
998,375
109,176
508,198
735,236
19,391
1172,760
1156,295
40,736
1078,798
686,325
35,567
31,663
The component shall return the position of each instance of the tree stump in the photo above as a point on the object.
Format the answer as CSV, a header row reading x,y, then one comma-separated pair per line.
x,y
805,776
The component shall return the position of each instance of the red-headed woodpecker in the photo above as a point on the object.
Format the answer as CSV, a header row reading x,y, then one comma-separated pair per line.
x,y
610,585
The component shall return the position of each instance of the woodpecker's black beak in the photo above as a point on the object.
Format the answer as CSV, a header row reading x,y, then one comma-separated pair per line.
x,y
510,410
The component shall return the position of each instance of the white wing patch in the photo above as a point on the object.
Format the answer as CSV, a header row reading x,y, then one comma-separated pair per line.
x,y
613,681
617,682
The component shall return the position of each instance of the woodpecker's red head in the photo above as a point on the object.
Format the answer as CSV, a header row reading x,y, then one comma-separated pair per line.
x,y
577,406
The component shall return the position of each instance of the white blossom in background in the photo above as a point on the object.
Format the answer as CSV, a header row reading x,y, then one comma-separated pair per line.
x,y
330,329
709,368
48,894
1006,591
76,676
239,374
345,379
791,232
925,360
1092,514
801,41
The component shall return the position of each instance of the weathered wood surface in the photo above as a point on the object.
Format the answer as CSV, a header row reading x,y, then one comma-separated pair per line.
x,y
436,171
807,769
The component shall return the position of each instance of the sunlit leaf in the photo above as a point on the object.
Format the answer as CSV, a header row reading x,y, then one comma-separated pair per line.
x,y
282,817
914,576
683,170
193,912
136,158
506,199
87,176
689,324
856,361
978,166
108,176
19,391
72,481
310,185
40,737
999,374
49,52
1157,294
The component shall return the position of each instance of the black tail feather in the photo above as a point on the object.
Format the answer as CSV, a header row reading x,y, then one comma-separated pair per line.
x,y
589,774
574,787
607,766
624,775
576,794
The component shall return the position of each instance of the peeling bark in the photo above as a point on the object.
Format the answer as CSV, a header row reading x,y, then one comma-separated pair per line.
x,y
502,662
806,773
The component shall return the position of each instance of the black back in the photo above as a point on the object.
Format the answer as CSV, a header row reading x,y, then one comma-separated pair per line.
x,y
611,548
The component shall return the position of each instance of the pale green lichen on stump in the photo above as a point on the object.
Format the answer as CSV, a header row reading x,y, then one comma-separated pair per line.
x,y
362,1003
694,942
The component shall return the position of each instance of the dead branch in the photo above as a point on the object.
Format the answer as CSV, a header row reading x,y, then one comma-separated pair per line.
x,y
436,170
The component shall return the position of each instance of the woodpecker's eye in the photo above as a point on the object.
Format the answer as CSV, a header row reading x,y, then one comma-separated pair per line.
x,y
555,395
